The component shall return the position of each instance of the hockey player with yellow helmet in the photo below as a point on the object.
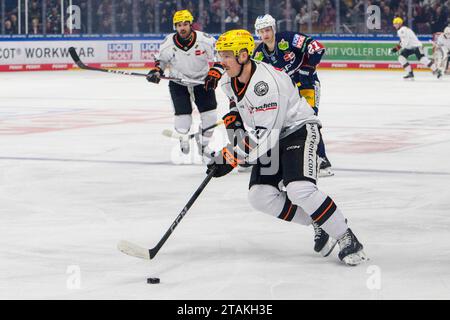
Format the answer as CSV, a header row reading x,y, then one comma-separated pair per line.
x,y
409,44
186,54
277,131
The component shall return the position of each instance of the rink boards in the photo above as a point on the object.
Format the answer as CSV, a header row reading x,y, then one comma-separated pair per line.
x,y
22,53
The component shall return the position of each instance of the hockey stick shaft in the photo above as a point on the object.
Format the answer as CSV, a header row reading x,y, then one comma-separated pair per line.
x,y
176,222
81,65
171,134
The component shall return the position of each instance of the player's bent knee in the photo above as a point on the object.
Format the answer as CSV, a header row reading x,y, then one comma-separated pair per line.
x,y
261,197
300,190
402,60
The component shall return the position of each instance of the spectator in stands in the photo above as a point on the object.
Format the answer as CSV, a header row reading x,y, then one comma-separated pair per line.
x,y
328,19
54,21
8,27
14,23
35,27
232,21
440,18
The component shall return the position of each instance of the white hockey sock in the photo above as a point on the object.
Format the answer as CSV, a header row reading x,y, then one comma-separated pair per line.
x,y
405,64
318,206
183,123
208,119
425,61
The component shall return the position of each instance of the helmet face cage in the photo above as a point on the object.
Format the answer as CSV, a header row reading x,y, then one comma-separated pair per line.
x,y
263,22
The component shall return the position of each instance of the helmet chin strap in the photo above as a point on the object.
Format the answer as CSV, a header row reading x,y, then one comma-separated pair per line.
x,y
242,66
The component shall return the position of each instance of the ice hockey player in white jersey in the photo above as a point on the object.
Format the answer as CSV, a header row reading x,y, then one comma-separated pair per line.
x,y
278,132
442,50
187,53
410,44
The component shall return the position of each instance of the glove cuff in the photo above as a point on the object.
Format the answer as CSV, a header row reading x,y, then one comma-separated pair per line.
x,y
230,158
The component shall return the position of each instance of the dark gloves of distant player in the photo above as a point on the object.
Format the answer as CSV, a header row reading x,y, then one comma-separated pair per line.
x,y
396,48
154,75
223,163
214,75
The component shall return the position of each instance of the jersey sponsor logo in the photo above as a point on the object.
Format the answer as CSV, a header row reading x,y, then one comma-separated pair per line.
x,y
265,107
283,45
259,56
120,51
298,40
261,88
149,50
199,52
289,56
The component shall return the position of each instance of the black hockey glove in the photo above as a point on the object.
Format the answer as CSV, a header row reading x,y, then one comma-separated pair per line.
x,y
214,75
237,135
224,162
154,74
396,48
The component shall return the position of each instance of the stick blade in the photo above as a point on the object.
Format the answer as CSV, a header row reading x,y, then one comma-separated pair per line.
x,y
172,134
133,250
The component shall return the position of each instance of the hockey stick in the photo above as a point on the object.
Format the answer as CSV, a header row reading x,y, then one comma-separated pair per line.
x,y
139,252
81,65
172,134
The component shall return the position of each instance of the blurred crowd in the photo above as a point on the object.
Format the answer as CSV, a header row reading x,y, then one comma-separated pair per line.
x,y
215,16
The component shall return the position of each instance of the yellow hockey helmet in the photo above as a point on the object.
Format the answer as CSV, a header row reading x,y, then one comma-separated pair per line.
x,y
236,40
182,16
397,20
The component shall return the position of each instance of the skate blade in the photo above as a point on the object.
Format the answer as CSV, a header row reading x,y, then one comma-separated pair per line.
x,y
355,259
328,247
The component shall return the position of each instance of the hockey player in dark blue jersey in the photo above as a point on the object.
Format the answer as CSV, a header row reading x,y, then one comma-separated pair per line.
x,y
298,55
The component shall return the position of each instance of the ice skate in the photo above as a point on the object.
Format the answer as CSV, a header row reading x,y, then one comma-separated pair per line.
x,y
409,76
351,250
323,243
325,168
184,144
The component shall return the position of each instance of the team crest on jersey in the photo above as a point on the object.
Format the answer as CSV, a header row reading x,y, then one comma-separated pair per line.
x,y
298,41
283,45
261,88
259,56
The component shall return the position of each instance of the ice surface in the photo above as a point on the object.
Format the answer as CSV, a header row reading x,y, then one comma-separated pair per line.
x,y
83,165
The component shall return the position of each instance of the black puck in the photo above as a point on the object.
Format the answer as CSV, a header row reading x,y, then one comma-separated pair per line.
x,y
152,280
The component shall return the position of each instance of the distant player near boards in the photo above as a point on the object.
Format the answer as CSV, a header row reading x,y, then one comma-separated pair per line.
x,y
187,53
410,44
278,133
298,55
442,50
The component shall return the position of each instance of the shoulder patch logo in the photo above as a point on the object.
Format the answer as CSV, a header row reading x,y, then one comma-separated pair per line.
x,y
298,41
261,88
283,45
259,56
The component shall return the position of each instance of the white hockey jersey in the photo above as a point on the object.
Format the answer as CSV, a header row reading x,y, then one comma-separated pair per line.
x,y
443,42
270,106
408,39
190,61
